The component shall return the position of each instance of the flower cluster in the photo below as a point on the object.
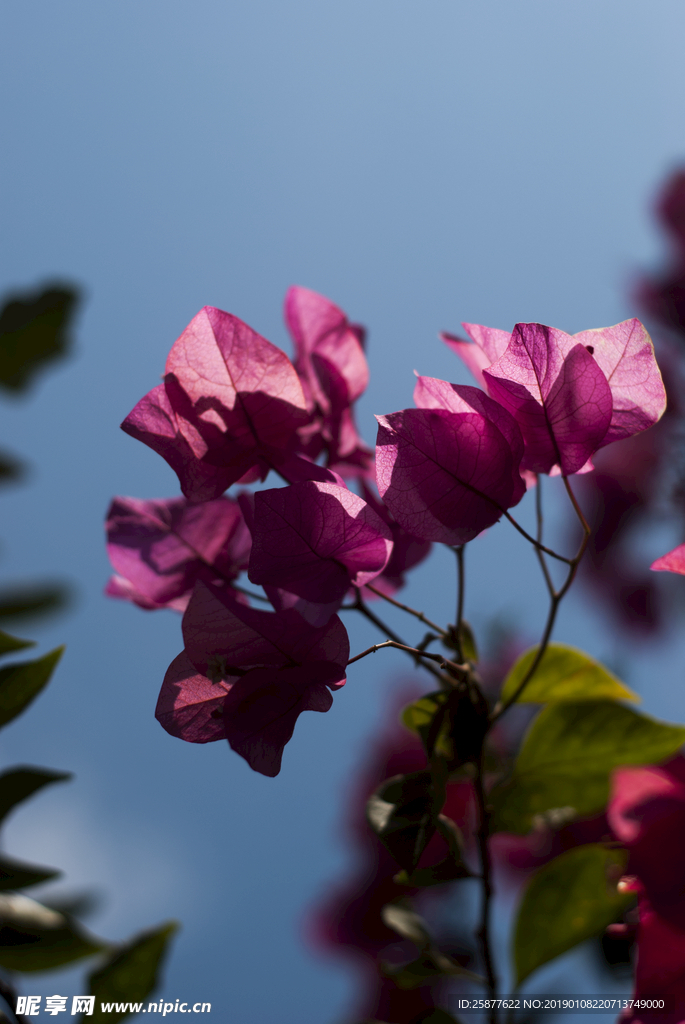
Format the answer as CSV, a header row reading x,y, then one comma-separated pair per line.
x,y
233,407
647,814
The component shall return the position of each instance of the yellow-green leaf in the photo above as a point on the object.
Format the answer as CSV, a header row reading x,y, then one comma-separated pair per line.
x,y
564,673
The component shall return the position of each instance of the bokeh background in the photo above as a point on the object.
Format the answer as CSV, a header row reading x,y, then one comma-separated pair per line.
x,y
418,163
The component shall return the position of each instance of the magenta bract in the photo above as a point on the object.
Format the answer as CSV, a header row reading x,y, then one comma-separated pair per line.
x,y
315,540
246,675
567,407
325,339
448,472
558,395
330,360
486,346
674,561
159,548
647,814
407,550
230,400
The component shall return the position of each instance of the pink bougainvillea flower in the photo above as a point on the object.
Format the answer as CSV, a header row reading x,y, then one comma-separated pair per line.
x,y
123,590
315,540
558,394
407,550
325,338
674,561
329,357
449,471
486,346
571,394
159,548
231,401
647,813
246,675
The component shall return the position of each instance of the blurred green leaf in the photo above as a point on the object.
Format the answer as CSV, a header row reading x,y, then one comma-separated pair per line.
x,y
35,938
74,904
420,718
567,900
16,875
564,673
24,601
132,973
11,468
18,784
407,923
567,756
21,684
402,814
467,641
450,869
13,643
34,330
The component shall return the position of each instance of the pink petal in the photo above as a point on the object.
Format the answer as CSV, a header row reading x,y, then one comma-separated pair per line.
x,y
432,393
472,356
674,561
324,338
647,813
220,634
445,476
625,354
315,539
163,546
229,400
190,706
491,340
123,590
262,708
407,550
558,395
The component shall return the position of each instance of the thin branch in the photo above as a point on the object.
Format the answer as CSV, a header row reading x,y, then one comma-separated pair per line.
x,y
556,596
402,647
459,551
535,543
361,606
406,608
484,853
539,553
555,601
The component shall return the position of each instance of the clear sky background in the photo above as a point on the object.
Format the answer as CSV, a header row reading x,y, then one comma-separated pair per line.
x,y
420,163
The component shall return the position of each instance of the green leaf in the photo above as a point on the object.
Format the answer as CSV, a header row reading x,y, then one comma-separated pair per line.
x,y
13,643
18,784
402,813
564,673
132,973
421,715
36,938
568,900
34,330
467,641
451,723
29,601
407,923
15,875
567,756
21,684
450,869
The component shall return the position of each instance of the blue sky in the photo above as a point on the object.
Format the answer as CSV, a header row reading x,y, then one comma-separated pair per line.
x,y
420,164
